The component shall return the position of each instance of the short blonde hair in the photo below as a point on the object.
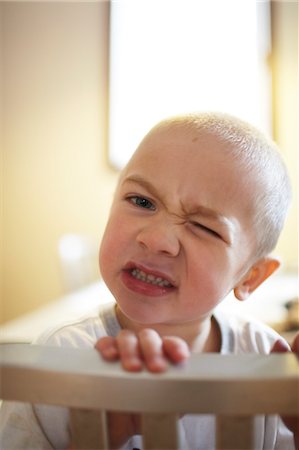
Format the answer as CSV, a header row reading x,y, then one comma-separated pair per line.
x,y
258,154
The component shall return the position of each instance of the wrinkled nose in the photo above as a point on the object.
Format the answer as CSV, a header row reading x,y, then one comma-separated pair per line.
x,y
160,238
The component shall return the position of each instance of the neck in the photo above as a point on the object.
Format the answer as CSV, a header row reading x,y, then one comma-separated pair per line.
x,y
201,336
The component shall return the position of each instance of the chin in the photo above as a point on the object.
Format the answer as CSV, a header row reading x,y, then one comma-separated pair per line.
x,y
140,315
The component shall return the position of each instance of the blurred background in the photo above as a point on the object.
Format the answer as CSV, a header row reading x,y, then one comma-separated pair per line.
x,y
81,82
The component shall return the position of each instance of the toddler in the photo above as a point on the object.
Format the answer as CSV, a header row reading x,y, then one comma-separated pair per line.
x,y
196,214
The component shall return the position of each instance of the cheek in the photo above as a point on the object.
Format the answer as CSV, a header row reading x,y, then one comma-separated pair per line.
x,y
108,247
114,245
209,275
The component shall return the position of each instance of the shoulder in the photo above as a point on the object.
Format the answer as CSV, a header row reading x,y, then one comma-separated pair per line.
x,y
244,334
82,333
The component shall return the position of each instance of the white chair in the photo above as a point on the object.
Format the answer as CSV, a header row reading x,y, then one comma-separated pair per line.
x,y
234,388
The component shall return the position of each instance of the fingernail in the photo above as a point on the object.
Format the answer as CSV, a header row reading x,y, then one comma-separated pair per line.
x,y
132,364
157,364
110,353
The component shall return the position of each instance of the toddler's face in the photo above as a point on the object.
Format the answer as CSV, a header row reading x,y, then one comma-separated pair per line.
x,y
179,234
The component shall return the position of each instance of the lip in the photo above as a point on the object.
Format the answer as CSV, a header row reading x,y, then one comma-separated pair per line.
x,y
142,287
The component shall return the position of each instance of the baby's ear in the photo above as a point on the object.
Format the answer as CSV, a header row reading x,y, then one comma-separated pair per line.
x,y
256,275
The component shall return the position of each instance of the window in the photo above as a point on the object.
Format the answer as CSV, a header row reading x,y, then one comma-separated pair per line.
x,y
172,56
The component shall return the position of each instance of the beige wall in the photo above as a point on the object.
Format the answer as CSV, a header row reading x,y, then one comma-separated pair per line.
x,y
55,177
1,165
285,112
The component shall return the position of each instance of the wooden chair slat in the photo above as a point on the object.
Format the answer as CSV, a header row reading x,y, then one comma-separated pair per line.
x,y
160,431
235,432
89,429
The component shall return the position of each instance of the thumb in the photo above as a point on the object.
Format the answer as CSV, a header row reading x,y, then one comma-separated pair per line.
x,y
280,346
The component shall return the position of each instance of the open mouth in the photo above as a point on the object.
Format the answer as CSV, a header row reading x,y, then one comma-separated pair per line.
x,y
150,278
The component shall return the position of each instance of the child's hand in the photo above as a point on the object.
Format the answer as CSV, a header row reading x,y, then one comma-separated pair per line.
x,y
291,422
146,348
135,351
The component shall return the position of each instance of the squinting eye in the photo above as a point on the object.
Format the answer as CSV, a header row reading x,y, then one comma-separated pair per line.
x,y
142,202
207,230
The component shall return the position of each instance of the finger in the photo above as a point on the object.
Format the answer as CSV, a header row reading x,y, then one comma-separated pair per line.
x,y
108,348
129,351
280,346
176,349
295,345
152,350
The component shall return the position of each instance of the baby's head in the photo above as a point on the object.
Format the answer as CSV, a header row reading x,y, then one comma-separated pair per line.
x,y
256,157
195,214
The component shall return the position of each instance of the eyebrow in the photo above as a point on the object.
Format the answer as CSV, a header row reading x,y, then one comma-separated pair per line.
x,y
142,182
198,210
206,212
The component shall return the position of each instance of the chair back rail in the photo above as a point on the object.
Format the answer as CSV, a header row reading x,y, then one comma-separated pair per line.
x,y
233,387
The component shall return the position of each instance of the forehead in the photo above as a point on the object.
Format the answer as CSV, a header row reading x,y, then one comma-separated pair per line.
x,y
182,150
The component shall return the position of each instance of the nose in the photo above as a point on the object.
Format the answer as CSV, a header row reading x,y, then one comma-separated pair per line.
x,y
160,238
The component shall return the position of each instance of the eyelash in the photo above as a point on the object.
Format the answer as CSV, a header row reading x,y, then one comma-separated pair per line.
x,y
207,230
134,199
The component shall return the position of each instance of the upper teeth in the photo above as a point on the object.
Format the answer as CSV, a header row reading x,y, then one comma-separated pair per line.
x,y
149,278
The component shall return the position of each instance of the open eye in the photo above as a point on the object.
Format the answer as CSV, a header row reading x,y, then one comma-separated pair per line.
x,y
141,202
207,230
